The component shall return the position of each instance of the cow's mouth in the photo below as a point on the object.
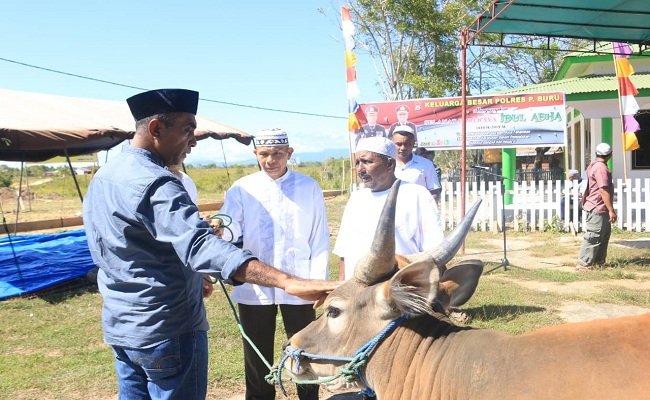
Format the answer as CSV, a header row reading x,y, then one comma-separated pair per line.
x,y
306,372
340,385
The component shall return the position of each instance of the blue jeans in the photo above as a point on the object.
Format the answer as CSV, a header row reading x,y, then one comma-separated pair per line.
x,y
174,369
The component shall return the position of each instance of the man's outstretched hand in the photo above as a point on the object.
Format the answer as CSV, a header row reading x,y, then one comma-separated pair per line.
x,y
256,272
315,290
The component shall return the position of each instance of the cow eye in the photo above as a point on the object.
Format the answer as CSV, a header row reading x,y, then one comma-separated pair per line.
x,y
333,312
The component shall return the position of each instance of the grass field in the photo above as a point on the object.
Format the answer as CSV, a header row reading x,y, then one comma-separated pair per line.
x,y
52,345
57,196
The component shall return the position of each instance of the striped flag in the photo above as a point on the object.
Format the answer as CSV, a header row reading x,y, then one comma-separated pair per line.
x,y
626,93
351,72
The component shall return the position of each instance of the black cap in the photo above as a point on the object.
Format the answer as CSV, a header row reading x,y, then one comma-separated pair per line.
x,y
402,108
161,101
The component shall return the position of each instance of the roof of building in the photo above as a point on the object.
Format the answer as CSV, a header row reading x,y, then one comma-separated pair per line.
x,y
586,84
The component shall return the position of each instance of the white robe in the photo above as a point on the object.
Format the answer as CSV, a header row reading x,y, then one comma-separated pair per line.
x,y
283,223
188,184
417,223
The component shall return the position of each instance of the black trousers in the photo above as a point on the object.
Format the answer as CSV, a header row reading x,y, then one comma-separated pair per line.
x,y
259,325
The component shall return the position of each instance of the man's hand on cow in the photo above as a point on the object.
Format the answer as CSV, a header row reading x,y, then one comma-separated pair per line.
x,y
315,290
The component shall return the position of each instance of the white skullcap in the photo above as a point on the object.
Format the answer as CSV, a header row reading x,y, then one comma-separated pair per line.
x,y
573,172
377,144
603,149
271,137
404,128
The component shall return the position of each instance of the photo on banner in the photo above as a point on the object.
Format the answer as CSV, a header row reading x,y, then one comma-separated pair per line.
x,y
493,121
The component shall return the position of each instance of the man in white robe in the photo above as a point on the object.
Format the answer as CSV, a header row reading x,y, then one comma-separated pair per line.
x,y
280,215
417,221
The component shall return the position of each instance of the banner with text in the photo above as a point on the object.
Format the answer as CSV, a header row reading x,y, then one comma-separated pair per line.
x,y
511,120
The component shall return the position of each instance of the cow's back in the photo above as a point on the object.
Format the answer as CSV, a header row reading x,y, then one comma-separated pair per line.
x,y
604,359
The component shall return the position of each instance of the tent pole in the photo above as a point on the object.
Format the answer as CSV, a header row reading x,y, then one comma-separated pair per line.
x,y
74,177
225,163
463,149
19,198
11,244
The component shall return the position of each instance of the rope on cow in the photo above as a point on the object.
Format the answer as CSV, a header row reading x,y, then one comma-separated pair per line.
x,y
273,370
350,371
241,328
225,221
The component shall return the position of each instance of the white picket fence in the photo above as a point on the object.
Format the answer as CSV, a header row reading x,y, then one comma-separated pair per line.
x,y
536,207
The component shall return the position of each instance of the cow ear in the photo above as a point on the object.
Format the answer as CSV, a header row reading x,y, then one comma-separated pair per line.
x,y
411,290
458,283
401,261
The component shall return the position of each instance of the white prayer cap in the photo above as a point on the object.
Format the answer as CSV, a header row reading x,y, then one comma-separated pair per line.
x,y
573,173
271,137
603,149
404,128
377,144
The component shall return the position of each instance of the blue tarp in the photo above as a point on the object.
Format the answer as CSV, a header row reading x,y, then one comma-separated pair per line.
x,y
42,261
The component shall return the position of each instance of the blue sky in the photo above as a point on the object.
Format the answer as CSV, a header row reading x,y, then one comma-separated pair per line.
x,y
282,55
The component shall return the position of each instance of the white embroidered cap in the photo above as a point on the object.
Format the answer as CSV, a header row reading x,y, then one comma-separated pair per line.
x,y
271,137
603,149
377,144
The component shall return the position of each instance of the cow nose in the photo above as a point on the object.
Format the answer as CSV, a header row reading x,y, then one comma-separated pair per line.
x,y
285,345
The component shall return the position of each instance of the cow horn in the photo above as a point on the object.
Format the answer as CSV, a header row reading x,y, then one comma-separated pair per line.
x,y
381,259
450,245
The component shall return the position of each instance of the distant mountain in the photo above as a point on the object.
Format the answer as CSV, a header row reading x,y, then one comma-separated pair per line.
x,y
321,155
297,157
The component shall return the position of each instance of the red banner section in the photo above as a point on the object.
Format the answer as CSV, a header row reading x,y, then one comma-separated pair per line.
x,y
502,121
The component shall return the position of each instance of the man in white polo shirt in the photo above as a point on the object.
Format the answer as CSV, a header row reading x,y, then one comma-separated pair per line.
x,y
412,167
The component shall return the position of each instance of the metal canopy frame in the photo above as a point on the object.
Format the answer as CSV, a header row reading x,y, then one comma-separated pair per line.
x,y
601,20
595,20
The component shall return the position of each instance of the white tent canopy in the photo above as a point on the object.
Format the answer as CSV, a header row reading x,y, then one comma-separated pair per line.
x,y
36,127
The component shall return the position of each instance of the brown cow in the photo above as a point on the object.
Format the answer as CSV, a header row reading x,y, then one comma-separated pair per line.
x,y
427,357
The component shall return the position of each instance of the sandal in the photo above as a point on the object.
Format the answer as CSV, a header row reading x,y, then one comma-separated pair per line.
x,y
459,316
583,268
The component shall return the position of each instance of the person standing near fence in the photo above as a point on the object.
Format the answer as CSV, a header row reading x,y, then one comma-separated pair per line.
x,y
598,203
574,184
280,215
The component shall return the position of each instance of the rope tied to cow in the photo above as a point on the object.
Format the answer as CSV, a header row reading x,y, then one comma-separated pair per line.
x,y
241,328
351,371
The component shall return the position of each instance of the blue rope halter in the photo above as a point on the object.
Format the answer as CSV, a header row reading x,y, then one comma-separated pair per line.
x,y
350,371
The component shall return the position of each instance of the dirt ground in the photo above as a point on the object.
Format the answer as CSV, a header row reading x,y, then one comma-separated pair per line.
x,y
519,256
568,247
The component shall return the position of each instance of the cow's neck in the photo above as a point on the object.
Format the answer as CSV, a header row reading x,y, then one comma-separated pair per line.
x,y
423,357
420,356
428,359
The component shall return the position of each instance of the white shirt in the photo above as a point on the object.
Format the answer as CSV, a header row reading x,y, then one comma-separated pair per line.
x,y
417,223
419,170
283,223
